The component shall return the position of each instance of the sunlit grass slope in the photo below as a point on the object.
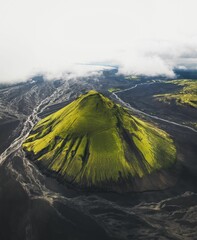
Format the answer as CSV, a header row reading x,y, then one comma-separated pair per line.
x,y
186,96
93,140
113,89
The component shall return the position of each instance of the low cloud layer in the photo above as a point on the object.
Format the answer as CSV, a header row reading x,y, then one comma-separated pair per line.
x,y
148,37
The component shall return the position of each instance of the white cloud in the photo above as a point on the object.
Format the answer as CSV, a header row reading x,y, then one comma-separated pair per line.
x,y
50,36
149,65
76,71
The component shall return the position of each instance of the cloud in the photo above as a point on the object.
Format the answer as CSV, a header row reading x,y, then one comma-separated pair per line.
x,y
53,37
76,71
149,65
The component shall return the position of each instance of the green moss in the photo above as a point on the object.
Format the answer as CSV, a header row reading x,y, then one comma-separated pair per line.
x,y
94,140
113,89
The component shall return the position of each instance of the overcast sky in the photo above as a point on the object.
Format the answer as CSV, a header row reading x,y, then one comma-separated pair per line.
x,y
53,36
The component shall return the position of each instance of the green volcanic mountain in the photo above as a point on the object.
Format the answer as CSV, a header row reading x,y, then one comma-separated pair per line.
x,y
93,142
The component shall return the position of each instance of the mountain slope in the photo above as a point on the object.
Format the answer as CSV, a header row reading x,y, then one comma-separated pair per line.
x,y
93,142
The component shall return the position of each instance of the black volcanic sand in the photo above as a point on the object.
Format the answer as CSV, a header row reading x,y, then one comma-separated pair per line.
x,y
142,98
6,129
25,218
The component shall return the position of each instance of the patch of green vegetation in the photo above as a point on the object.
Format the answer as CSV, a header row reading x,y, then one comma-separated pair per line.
x,y
186,96
93,140
113,89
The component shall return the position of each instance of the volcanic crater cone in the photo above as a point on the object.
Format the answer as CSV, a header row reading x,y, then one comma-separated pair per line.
x,y
95,143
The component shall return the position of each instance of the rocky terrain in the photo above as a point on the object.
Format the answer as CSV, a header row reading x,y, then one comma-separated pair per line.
x,y
36,206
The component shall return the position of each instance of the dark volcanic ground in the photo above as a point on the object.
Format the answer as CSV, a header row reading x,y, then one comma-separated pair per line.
x,y
35,207
142,97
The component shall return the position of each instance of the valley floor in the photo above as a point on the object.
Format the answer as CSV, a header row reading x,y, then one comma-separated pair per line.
x,y
34,206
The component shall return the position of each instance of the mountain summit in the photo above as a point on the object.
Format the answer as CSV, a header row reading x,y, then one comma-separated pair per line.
x,y
95,143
